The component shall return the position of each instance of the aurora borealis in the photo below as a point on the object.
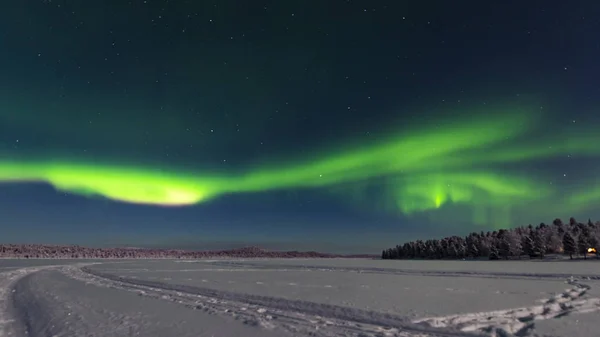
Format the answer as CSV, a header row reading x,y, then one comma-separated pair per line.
x,y
245,141
431,167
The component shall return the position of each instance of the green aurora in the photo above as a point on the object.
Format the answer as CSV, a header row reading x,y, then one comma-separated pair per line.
x,y
464,161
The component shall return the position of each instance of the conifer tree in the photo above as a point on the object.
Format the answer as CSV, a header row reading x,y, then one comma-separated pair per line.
x,y
473,250
593,240
582,245
539,243
493,252
569,245
528,245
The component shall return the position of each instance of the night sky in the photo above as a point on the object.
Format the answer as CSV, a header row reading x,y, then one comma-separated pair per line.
x,y
344,126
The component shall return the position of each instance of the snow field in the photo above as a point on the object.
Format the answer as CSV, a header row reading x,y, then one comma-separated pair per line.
x,y
305,297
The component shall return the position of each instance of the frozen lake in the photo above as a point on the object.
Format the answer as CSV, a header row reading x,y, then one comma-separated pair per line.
x,y
298,297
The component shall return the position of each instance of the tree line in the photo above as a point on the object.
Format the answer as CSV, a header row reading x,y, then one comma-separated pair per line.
x,y
574,238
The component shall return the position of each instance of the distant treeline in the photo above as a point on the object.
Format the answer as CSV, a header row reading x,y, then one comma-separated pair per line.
x,y
41,251
571,239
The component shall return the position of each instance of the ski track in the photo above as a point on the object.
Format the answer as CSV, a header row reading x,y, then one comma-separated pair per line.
x,y
313,319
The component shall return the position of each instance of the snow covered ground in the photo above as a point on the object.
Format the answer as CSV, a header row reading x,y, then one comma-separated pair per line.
x,y
298,297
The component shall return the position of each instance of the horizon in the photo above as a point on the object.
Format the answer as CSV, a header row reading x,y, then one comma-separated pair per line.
x,y
278,246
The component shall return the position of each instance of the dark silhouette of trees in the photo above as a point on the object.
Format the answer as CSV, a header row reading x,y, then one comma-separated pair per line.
x,y
557,238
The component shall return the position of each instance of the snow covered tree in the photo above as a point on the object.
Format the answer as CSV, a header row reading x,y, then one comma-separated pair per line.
x,y
575,230
461,249
553,239
397,253
516,249
510,244
528,244
539,243
593,239
582,244
473,251
493,253
420,249
572,221
569,246
431,252
439,251
483,245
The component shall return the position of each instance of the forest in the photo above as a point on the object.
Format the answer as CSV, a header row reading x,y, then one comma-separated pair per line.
x,y
574,239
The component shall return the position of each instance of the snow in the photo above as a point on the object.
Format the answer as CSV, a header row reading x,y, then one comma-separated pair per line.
x,y
298,297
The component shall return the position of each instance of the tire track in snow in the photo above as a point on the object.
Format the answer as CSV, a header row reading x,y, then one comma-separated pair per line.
x,y
292,316
41,309
7,280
